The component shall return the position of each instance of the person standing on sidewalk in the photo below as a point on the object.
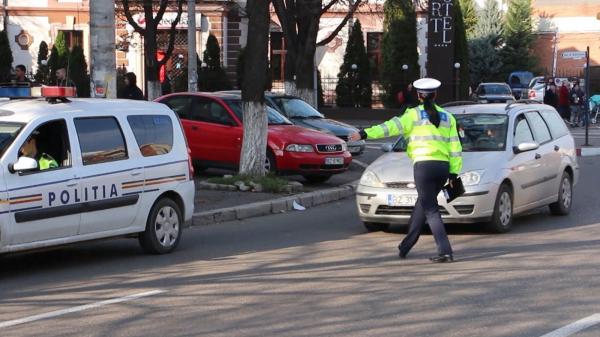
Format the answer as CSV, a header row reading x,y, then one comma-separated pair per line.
x,y
564,104
435,149
550,97
577,98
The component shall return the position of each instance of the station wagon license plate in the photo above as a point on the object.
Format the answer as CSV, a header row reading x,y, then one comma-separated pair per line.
x,y
334,161
402,200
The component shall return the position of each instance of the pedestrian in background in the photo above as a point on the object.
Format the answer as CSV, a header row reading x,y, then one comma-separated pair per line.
x,y
20,76
131,90
577,100
550,96
435,149
564,103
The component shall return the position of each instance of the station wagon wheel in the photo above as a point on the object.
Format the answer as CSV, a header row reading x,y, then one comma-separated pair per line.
x,y
503,211
376,226
565,196
163,228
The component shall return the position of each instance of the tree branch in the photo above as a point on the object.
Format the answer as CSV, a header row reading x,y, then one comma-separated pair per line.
x,y
130,19
328,6
286,21
337,30
172,35
161,11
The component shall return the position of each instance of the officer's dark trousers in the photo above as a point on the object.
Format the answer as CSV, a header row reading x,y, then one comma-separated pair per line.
x,y
430,177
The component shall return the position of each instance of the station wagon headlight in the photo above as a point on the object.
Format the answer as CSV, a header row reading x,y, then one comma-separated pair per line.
x,y
299,148
344,147
471,178
370,179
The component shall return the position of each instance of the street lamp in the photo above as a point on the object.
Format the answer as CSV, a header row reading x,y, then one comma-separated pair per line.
x,y
354,83
456,81
404,69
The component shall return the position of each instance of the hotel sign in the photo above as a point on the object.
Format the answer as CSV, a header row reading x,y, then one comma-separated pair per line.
x,y
440,46
168,19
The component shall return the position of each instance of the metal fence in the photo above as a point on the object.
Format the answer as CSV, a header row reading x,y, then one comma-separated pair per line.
x,y
328,85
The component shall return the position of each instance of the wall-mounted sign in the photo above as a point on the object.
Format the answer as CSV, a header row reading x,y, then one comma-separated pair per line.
x,y
575,55
168,19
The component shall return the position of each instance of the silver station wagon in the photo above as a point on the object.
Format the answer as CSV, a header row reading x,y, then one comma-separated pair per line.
x,y
517,157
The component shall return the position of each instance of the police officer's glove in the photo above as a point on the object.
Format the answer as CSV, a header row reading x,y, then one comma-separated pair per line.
x,y
453,176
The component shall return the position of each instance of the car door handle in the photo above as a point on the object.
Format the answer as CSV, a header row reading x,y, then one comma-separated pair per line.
x,y
195,128
556,148
538,156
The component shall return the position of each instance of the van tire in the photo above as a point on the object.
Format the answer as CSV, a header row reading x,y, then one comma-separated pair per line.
x,y
163,228
503,211
565,196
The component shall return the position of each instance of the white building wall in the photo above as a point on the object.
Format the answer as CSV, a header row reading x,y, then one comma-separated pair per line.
x,y
39,28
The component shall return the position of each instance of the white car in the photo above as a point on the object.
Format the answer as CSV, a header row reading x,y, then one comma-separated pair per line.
x,y
516,157
122,168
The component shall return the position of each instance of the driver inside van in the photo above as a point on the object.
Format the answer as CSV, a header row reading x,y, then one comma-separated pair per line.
x,y
30,149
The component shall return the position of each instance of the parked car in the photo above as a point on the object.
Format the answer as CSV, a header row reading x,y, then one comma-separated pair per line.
x,y
493,93
519,83
214,130
516,158
87,169
303,114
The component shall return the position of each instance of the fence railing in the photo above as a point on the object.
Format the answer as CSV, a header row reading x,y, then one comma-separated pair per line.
x,y
328,85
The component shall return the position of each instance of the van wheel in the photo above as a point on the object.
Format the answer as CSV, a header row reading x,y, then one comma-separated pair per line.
x,y
503,211
163,228
376,226
565,196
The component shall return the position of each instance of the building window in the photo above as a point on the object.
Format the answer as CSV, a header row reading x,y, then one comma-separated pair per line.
x,y
73,38
277,56
374,52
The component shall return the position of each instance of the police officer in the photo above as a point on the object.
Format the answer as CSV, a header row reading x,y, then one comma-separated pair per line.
x,y
29,149
435,149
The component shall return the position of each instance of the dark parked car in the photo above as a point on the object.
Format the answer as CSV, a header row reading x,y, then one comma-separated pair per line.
x,y
303,114
493,93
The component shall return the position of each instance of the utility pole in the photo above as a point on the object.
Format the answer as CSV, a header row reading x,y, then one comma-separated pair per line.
x,y
587,97
103,61
192,60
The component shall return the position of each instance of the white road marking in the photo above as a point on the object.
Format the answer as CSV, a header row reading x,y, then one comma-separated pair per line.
x,y
573,328
57,313
360,163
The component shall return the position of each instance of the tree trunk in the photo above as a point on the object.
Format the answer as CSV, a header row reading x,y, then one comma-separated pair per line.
x,y
253,158
254,145
307,95
153,89
308,24
290,88
103,63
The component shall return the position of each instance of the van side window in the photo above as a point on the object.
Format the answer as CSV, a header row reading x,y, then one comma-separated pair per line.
x,y
100,139
153,133
49,145
522,131
555,123
540,129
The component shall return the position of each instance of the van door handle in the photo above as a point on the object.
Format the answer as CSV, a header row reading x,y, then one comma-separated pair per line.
x,y
136,172
73,184
538,156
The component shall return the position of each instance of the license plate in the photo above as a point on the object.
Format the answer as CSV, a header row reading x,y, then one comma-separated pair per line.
x,y
353,149
334,161
401,200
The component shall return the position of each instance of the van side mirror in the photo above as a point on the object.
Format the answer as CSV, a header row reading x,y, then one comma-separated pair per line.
x,y
388,147
525,147
23,164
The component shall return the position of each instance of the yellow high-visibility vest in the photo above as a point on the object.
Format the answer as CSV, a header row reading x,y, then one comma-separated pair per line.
x,y
425,141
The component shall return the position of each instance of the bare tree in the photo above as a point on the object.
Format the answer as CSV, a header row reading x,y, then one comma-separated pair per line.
x,y
299,21
149,33
254,145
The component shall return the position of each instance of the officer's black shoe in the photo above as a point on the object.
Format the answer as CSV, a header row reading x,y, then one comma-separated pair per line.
x,y
442,258
402,256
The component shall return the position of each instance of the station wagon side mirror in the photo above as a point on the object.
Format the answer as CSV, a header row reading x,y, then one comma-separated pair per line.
x,y
525,147
23,164
388,147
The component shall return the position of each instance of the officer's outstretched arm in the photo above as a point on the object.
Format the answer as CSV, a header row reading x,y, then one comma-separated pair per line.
x,y
394,127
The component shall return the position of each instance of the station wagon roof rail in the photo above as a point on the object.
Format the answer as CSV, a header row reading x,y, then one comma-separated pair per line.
x,y
521,101
458,103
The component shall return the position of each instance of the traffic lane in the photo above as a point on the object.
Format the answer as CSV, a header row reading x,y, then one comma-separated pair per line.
x,y
351,284
319,263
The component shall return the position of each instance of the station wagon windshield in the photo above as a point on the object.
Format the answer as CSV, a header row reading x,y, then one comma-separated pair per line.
x,y
8,133
274,117
494,90
296,108
477,132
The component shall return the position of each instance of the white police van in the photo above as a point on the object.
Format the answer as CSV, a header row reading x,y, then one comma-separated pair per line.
x,y
120,167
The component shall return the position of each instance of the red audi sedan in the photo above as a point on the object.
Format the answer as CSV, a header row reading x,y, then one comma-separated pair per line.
x,y
213,127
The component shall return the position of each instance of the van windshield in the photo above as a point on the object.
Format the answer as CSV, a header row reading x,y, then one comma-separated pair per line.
x,y
8,133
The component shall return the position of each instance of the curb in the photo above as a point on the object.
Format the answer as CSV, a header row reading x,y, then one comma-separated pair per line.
x,y
588,151
275,206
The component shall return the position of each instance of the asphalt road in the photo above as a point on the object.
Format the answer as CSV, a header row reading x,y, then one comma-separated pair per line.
x,y
317,273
